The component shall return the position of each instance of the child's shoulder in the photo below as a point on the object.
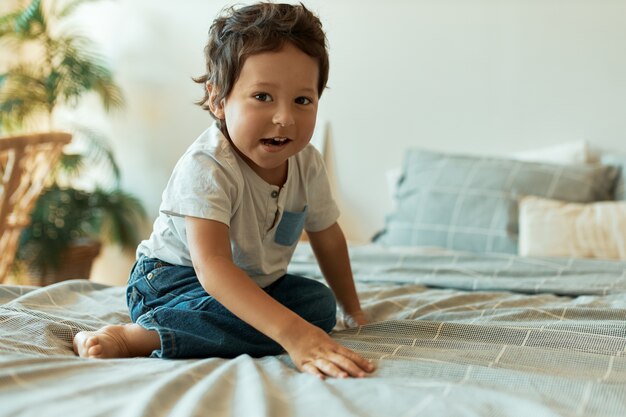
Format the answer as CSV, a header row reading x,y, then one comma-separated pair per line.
x,y
210,155
211,145
310,158
212,142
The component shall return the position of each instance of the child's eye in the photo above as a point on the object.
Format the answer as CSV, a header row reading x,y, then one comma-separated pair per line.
x,y
263,97
303,100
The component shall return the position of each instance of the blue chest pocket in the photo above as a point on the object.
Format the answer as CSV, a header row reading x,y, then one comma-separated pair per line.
x,y
290,227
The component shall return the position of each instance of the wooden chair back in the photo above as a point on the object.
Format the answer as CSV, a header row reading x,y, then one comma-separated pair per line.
x,y
25,162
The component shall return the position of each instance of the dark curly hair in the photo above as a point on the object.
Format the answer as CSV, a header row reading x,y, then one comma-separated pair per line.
x,y
240,32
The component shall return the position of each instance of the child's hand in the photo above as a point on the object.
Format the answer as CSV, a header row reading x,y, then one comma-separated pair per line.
x,y
315,352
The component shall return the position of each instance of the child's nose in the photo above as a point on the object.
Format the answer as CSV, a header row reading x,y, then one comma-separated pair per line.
x,y
283,117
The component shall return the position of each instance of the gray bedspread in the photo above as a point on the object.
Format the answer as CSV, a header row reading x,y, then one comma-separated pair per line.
x,y
452,334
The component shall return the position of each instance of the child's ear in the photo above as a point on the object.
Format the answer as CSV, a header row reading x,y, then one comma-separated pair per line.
x,y
216,108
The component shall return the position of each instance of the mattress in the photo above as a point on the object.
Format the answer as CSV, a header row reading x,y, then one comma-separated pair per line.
x,y
451,333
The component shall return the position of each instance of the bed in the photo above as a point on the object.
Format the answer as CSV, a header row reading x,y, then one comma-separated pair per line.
x,y
462,323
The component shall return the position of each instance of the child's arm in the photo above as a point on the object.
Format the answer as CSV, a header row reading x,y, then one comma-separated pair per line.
x,y
331,251
310,348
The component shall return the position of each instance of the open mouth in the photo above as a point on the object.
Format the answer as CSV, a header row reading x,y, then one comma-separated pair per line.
x,y
275,141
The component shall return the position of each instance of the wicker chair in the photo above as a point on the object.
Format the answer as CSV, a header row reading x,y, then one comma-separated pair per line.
x,y
25,161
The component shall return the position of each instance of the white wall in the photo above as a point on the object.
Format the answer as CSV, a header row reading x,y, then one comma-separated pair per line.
x,y
460,75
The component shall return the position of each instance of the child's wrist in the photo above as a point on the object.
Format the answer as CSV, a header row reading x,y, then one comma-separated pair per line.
x,y
356,318
354,310
292,331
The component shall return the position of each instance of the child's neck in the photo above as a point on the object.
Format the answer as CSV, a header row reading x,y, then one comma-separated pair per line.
x,y
275,176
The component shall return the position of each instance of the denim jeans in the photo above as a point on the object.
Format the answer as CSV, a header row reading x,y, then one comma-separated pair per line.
x,y
192,324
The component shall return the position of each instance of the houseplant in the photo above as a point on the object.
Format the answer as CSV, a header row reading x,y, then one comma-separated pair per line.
x,y
56,67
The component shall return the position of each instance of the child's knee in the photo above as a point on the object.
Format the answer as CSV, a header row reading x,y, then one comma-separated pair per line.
x,y
324,309
310,299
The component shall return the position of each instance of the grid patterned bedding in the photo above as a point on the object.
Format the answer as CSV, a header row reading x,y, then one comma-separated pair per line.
x,y
469,202
452,334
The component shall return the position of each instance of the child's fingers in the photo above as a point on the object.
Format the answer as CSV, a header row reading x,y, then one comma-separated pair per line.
x,y
329,368
322,356
352,363
357,359
339,365
312,369
347,365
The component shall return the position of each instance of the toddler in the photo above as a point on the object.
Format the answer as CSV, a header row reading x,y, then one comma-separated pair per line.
x,y
211,280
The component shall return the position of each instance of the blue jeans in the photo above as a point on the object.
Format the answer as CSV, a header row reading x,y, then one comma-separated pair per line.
x,y
192,324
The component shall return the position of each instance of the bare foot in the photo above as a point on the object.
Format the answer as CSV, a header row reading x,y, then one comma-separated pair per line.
x,y
116,341
104,343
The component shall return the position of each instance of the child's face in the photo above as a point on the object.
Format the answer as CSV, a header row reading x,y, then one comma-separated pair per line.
x,y
270,112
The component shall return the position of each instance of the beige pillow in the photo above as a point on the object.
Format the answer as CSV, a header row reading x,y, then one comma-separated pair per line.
x,y
557,228
577,152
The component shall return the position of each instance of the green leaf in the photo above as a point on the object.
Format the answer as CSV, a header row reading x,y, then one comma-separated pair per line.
x,y
7,23
56,220
123,218
84,70
31,22
70,164
99,151
23,95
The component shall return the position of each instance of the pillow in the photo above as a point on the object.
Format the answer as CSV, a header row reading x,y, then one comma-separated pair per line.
x,y
620,162
564,153
392,177
557,228
577,152
463,202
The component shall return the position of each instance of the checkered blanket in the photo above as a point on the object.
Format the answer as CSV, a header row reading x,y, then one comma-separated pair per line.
x,y
452,334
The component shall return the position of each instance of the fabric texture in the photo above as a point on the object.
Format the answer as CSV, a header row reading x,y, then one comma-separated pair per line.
x,y
556,228
211,181
451,333
192,324
569,153
465,202
620,162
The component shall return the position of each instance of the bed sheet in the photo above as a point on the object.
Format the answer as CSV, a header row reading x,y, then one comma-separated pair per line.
x,y
452,334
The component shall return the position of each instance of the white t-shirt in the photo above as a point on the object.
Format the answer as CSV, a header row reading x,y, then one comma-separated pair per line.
x,y
212,181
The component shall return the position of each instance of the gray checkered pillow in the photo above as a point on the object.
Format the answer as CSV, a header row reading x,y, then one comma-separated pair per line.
x,y
469,203
620,162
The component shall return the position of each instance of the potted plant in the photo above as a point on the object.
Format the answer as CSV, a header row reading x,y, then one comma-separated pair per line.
x,y
57,67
